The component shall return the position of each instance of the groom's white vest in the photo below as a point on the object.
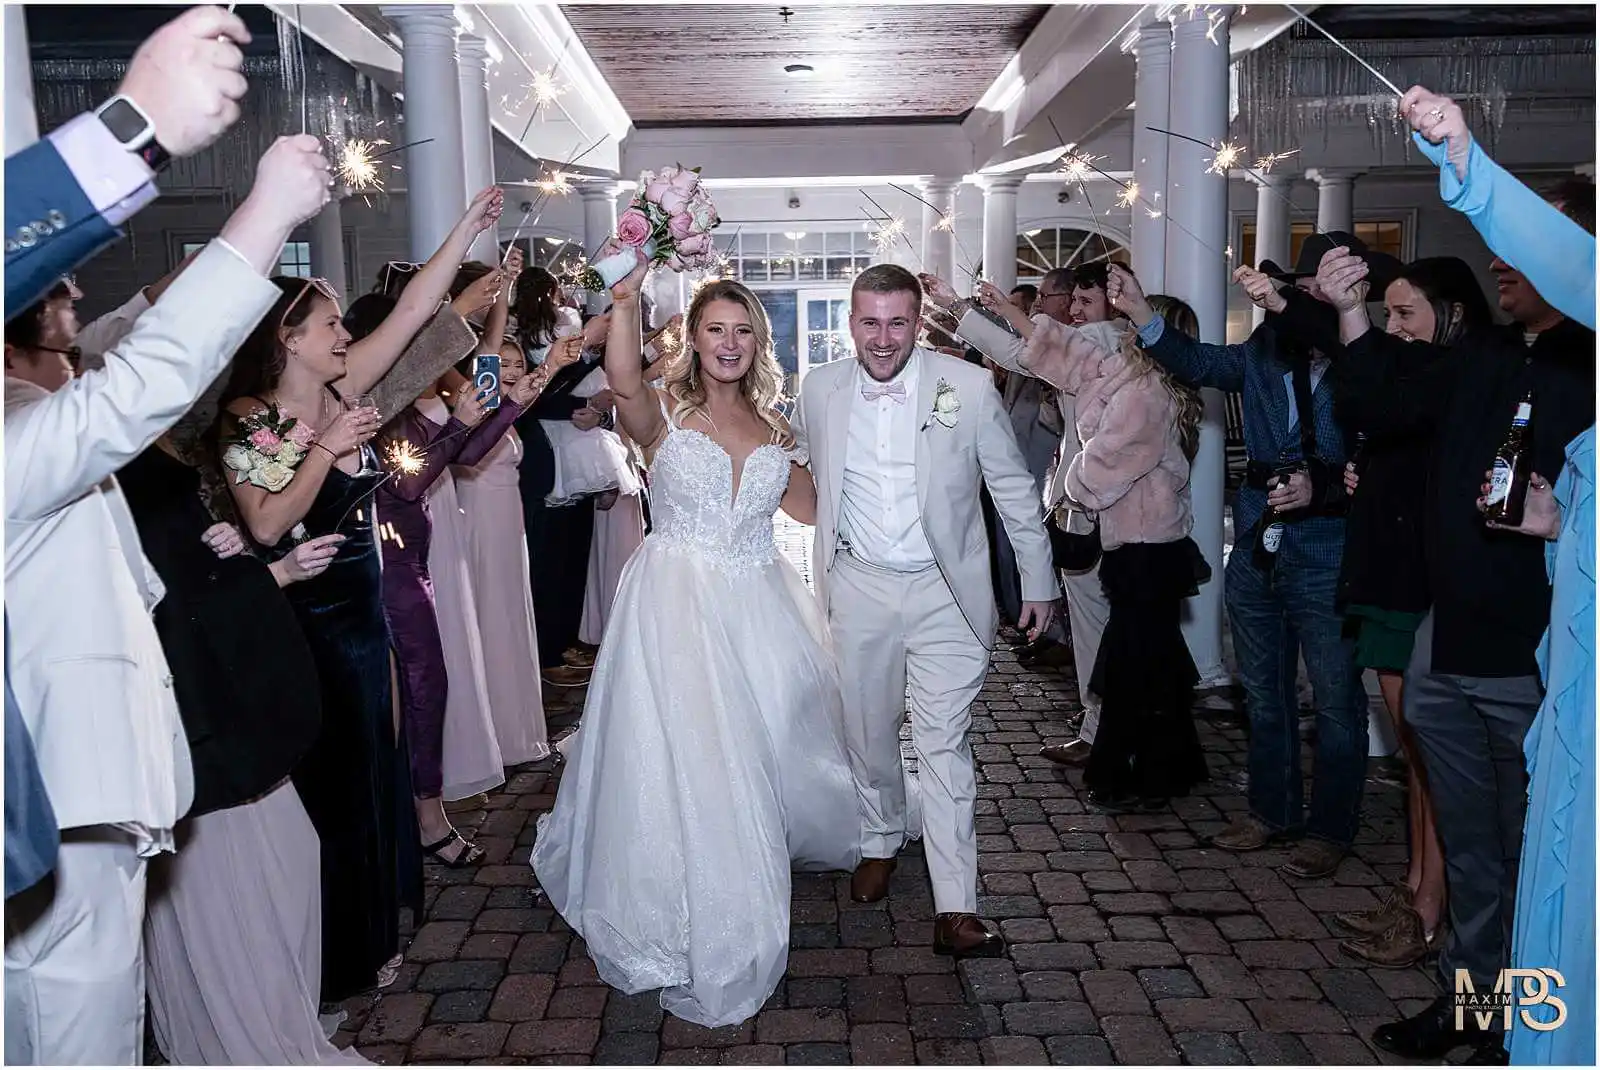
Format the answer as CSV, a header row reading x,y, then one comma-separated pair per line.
x,y
952,462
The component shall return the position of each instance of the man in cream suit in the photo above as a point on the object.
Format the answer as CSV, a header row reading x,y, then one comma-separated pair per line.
x,y
899,441
87,666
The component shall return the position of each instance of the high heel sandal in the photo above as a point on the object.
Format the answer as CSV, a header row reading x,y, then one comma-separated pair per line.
x,y
469,855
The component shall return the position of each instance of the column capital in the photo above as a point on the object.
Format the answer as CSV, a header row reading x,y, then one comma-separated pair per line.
x,y
1334,176
993,184
1274,179
1151,42
937,186
1199,24
441,19
599,190
476,51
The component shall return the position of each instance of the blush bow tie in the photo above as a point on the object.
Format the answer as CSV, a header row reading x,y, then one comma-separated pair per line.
x,y
874,391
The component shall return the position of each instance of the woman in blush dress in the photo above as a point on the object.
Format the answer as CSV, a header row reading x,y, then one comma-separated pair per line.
x,y
712,756
497,557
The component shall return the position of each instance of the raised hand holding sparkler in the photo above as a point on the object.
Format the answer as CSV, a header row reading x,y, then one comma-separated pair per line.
x,y
1261,289
1127,296
1440,121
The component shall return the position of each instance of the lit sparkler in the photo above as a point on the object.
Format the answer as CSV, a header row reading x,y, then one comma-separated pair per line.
x,y
544,88
1226,159
1129,195
1266,163
1075,167
947,223
889,231
406,458
357,165
557,183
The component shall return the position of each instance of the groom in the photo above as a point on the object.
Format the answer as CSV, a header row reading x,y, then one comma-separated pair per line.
x,y
900,441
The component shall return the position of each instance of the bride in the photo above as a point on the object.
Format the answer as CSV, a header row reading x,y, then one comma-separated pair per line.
x,y
712,756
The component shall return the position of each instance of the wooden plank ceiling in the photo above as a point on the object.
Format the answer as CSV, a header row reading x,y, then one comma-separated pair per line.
x,y
705,64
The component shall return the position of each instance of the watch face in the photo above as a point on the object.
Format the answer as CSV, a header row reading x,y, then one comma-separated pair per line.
x,y
125,122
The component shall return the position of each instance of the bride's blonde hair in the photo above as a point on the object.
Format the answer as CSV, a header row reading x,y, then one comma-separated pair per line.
x,y
762,385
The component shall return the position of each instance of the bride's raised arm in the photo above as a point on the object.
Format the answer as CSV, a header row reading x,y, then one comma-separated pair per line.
x,y
638,409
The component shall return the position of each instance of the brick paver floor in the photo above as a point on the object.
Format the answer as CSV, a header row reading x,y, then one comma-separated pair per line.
x,y
1129,941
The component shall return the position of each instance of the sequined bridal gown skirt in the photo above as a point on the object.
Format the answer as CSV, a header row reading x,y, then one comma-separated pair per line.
x,y
711,757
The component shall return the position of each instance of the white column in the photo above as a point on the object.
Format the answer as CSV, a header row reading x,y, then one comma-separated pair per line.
x,y
599,222
1197,273
938,245
435,181
1000,229
1335,198
327,248
1151,107
22,125
1272,224
477,134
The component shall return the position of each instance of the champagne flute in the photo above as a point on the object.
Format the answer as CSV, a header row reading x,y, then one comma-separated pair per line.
x,y
369,466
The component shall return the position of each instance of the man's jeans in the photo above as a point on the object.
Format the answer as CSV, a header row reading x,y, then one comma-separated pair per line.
x,y
1274,619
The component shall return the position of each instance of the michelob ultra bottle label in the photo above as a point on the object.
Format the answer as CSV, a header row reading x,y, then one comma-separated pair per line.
x,y
1499,482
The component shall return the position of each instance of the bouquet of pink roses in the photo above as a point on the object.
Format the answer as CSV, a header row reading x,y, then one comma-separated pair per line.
x,y
670,219
267,448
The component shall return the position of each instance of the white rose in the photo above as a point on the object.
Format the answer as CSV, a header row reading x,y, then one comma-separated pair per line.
x,y
272,476
946,402
237,457
289,453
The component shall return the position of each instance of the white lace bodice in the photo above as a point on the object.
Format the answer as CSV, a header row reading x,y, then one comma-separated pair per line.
x,y
693,505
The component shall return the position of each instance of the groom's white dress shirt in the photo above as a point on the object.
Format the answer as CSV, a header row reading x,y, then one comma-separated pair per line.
x,y
878,513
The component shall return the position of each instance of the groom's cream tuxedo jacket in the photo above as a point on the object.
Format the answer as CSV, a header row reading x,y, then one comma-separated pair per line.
x,y
977,447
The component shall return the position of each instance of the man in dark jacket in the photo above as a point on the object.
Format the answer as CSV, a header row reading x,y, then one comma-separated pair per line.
x,y
1473,688
1284,606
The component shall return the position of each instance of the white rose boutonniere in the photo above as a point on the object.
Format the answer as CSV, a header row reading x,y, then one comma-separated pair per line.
x,y
946,405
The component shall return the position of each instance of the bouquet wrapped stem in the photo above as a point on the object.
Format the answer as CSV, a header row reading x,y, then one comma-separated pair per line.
x,y
669,219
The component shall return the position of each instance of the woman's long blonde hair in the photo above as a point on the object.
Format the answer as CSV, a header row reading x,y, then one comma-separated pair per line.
x,y
762,385
1181,318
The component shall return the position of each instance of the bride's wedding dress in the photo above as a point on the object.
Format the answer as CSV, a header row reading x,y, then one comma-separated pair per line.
x,y
712,753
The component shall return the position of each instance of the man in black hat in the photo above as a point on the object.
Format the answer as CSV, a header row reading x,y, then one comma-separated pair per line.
x,y
1282,576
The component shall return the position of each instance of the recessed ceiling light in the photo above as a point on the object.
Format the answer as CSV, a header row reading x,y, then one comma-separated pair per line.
x,y
794,235
799,70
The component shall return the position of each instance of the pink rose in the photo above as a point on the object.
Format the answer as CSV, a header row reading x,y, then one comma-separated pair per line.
x,y
674,202
265,440
301,435
654,186
685,181
694,245
681,225
633,228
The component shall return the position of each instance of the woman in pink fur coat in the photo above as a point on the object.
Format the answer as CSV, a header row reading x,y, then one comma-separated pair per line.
x,y
1139,430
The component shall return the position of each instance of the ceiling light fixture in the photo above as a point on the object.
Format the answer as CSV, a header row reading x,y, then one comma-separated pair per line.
x,y
799,70
794,235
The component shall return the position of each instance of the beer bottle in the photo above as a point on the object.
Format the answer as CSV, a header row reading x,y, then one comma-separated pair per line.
x,y
1358,458
1513,466
1266,551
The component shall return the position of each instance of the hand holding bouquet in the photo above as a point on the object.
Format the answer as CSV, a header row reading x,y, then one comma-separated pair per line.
x,y
669,220
267,448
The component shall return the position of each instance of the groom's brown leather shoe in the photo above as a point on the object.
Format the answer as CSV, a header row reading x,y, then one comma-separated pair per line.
x,y
1073,752
966,936
871,880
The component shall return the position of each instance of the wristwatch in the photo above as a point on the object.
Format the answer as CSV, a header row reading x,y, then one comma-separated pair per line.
x,y
132,127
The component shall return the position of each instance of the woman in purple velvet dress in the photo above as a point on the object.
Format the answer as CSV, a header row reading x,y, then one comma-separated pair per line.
x,y
418,451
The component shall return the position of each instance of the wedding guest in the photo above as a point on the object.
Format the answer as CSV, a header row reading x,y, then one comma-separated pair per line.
x,y
245,883
421,451
1140,430
87,669
558,537
497,556
1552,245
352,781
1383,584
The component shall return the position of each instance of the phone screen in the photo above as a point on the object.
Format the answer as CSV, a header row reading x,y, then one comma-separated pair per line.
x,y
486,378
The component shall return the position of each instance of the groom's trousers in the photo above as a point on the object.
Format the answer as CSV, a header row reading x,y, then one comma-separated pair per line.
x,y
892,629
